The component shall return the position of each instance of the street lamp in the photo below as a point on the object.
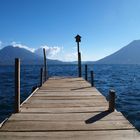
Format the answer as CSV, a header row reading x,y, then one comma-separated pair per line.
x,y
78,39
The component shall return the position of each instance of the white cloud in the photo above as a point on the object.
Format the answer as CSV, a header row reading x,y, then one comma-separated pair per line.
x,y
15,44
57,53
65,55
51,52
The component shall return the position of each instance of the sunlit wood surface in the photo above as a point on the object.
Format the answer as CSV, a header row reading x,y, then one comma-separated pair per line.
x,y
67,109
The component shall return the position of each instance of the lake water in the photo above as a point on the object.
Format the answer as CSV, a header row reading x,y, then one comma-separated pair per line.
x,y
125,79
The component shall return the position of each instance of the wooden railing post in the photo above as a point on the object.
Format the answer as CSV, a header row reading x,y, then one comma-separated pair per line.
x,y
17,85
41,77
92,78
111,100
45,65
86,72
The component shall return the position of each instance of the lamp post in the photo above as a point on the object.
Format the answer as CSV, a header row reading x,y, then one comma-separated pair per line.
x,y
78,39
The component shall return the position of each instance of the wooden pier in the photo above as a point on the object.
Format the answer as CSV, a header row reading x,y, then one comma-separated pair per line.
x,y
67,109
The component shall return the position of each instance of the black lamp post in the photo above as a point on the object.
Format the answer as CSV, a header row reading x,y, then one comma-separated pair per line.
x,y
78,39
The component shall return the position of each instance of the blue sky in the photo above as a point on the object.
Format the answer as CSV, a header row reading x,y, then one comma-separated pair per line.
x,y
105,25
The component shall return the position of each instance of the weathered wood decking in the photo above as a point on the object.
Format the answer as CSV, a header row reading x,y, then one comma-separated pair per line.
x,y
67,108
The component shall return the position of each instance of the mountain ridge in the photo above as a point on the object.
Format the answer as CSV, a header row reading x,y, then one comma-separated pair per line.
x,y
9,53
129,54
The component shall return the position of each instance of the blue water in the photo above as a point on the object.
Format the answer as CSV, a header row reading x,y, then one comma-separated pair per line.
x,y
125,79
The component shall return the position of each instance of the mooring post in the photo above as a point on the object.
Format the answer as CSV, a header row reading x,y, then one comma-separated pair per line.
x,y
45,65
86,72
111,100
41,77
92,78
17,85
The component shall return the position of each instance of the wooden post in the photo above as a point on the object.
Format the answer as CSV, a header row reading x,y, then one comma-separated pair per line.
x,y
45,65
17,85
111,100
86,72
79,65
41,77
92,78
78,39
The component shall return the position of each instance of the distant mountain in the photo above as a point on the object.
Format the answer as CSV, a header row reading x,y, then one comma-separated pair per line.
x,y
9,53
129,54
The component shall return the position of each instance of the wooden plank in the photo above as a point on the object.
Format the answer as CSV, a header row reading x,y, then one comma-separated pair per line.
x,y
72,135
43,97
67,117
65,126
84,89
64,93
64,79
63,109
48,105
66,84
64,87
66,101
60,83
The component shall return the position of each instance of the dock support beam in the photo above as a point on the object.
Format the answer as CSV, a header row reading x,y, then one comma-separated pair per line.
x,y
86,72
92,78
17,85
111,100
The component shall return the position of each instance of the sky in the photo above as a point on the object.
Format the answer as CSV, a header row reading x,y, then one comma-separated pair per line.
x,y
104,25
